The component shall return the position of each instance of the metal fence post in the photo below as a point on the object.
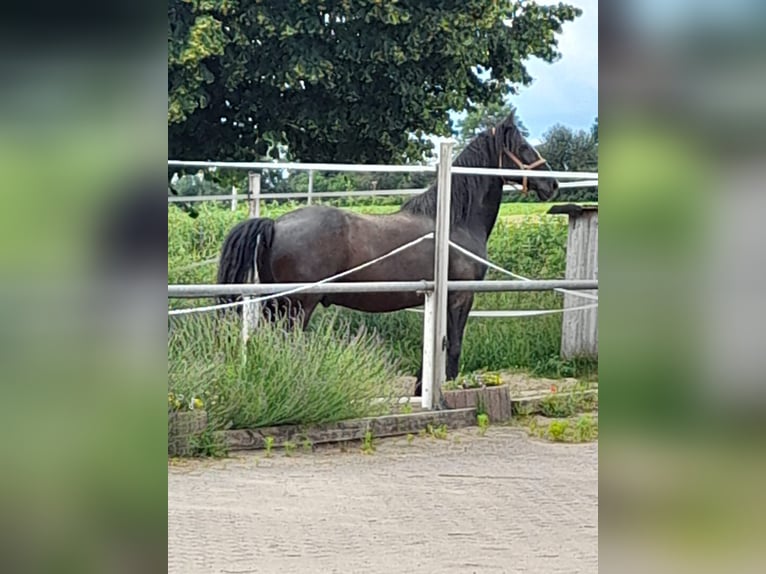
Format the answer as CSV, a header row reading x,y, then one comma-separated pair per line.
x,y
427,375
233,198
251,312
441,270
254,187
311,186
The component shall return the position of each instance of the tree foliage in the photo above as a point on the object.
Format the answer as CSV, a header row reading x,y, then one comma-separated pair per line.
x,y
484,116
569,150
342,80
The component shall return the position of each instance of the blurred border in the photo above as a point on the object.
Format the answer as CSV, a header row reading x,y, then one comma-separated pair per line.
x,y
683,363
83,150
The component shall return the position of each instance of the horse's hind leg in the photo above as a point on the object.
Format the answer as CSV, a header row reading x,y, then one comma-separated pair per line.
x,y
309,305
419,380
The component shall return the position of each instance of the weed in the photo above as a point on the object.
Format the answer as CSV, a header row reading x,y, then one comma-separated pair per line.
x,y
289,447
586,428
557,429
483,422
523,409
568,404
308,446
269,440
481,405
558,405
439,432
208,444
367,445
410,438
407,408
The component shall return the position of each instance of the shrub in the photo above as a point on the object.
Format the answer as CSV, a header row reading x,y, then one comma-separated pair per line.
x,y
327,375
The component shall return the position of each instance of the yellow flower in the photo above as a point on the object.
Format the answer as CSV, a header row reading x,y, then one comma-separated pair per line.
x,y
197,403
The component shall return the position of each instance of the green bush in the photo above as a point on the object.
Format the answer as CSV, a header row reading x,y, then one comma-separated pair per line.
x,y
329,374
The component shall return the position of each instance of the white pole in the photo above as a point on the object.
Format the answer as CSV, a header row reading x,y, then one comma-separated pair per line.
x,y
234,198
441,270
252,311
427,375
246,324
254,184
311,186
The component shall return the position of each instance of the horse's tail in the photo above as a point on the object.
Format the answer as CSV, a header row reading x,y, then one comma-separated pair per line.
x,y
243,253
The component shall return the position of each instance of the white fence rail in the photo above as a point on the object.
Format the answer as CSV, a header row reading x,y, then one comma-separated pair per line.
x,y
360,168
334,194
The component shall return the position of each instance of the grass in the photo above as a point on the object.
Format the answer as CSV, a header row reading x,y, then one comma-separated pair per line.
x,y
327,375
563,417
568,404
367,445
583,428
483,421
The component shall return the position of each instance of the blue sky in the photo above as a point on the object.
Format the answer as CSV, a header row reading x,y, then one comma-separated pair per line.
x,y
566,91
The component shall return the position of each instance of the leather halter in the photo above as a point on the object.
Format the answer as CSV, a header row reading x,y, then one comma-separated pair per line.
x,y
520,164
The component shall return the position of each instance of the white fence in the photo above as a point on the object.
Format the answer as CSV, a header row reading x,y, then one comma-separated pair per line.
x,y
254,195
435,292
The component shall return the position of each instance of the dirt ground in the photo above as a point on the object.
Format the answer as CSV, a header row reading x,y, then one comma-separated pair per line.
x,y
464,504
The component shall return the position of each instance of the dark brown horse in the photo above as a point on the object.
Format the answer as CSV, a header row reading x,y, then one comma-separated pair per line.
x,y
315,242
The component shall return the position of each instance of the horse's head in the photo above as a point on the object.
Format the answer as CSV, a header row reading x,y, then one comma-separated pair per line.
x,y
515,152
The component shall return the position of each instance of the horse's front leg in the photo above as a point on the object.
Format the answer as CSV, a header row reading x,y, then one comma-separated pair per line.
x,y
458,308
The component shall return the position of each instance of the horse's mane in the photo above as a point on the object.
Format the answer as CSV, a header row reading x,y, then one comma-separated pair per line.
x,y
479,152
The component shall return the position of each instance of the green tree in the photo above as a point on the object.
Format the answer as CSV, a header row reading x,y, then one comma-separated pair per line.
x,y
342,80
569,150
482,117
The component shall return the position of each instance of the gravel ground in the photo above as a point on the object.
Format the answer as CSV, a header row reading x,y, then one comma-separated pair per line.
x,y
498,503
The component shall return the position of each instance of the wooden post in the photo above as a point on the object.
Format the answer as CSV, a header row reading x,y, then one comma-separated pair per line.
x,y
441,269
254,185
579,330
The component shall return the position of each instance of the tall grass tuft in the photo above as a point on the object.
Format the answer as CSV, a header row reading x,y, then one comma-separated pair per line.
x,y
329,374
